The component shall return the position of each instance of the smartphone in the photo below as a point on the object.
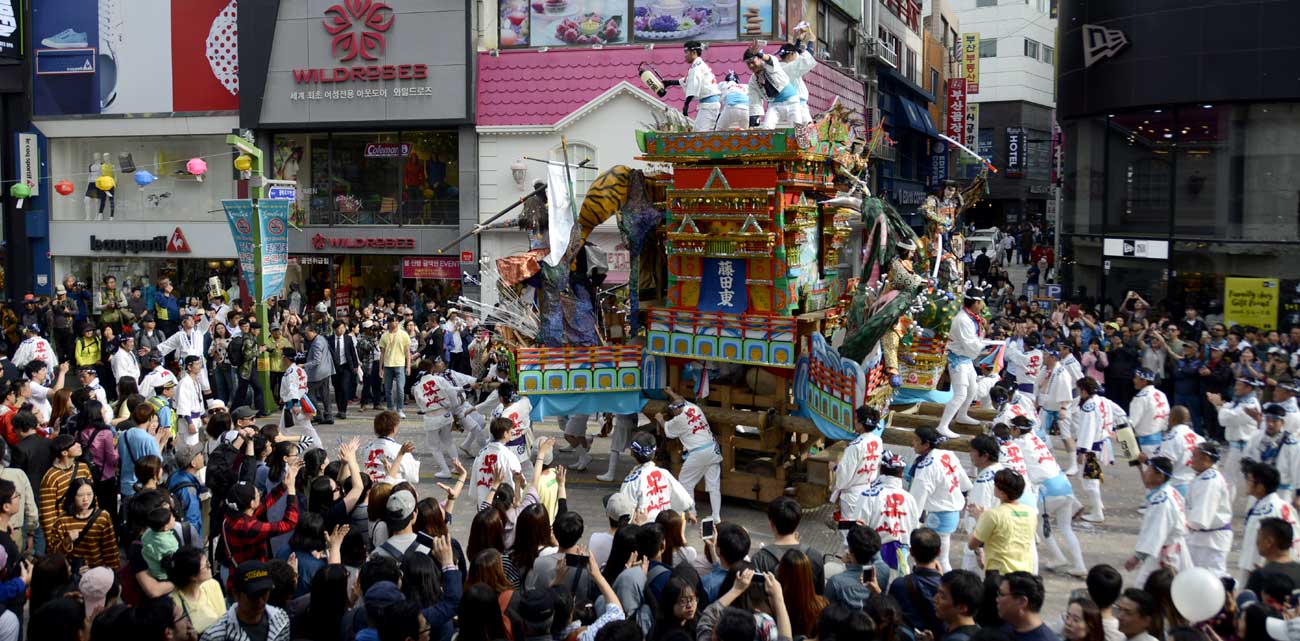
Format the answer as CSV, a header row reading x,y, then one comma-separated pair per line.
x,y
845,525
424,539
575,560
706,528
1229,584
868,574
759,579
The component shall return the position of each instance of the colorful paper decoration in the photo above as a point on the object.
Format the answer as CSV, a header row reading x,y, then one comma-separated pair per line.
x,y
143,178
64,187
243,162
197,166
105,183
20,191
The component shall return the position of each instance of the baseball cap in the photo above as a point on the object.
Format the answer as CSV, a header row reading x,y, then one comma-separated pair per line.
x,y
185,455
618,506
94,587
60,289
384,593
168,384
252,577
243,412
1282,629
401,504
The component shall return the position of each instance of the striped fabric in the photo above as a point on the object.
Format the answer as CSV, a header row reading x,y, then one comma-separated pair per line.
x,y
53,486
97,547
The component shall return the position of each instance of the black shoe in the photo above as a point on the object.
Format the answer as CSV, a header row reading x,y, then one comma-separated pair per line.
x,y
341,417
328,421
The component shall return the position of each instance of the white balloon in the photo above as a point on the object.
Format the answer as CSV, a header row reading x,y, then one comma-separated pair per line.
x,y
1197,594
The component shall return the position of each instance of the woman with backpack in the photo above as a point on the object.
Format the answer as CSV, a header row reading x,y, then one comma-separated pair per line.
x,y
83,531
100,452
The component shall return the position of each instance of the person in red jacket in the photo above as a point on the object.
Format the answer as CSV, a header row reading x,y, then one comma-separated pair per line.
x,y
247,537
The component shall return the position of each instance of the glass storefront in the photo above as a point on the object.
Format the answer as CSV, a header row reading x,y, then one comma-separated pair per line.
x,y
373,178
351,280
190,276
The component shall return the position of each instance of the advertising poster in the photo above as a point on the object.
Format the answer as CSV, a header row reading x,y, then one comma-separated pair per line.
x,y
956,117
11,29
239,213
275,245
1251,301
514,23
677,20
1288,308
577,22
430,268
134,56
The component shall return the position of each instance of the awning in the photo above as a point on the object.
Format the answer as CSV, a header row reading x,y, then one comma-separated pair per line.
x,y
917,117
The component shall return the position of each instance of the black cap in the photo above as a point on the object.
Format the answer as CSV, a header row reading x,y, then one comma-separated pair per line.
x,y
537,606
252,577
242,412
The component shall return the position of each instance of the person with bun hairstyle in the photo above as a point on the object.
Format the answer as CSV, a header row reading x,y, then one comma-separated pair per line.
x,y
245,536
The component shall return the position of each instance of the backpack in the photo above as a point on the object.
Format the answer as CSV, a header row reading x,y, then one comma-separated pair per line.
x,y
235,351
222,474
96,472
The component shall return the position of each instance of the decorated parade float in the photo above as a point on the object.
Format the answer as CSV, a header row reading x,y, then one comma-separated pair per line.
x,y
768,285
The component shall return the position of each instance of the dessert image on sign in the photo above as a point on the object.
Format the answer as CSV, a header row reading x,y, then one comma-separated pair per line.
x,y
672,19
755,18
578,22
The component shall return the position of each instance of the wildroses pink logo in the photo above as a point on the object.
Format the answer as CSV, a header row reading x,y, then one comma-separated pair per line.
x,y
358,27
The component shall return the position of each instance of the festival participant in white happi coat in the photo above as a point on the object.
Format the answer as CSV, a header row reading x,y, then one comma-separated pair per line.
x,y
984,454
965,342
123,362
1056,403
89,379
388,461
1148,413
157,375
518,409
1262,480
464,409
652,488
1273,445
700,85
188,341
939,483
1056,496
1284,394
1240,418
735,104
1209,511
1089,428
1012,457
293,388
189,402
436,396
1162,538
1011,403
889,509
701,457
769,82
1025,361
797,61
1177,443
860,463
35,348
495,460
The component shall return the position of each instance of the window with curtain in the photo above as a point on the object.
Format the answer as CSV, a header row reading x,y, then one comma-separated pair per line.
x,y
582,177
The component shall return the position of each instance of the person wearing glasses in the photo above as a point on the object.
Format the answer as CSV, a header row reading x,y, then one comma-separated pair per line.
x,y
1019,601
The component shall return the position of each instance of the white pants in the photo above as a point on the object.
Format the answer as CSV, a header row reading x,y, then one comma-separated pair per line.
x,y
706,115
706,464
1061,509
804,116
781,114
850,498
576,425
437,434
1232,469
962,378
733,117
1209,550
472,422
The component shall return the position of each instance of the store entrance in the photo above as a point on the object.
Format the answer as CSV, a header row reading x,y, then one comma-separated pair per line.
x,y
352,282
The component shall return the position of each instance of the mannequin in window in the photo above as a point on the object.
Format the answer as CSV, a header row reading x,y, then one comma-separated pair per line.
x,y
92,192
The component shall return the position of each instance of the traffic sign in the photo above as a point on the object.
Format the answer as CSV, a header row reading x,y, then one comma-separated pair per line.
x,y
278,192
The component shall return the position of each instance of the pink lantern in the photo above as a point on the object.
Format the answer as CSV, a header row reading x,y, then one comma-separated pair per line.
x,y
197,166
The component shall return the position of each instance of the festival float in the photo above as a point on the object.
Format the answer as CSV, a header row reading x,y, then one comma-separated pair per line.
x,y
768,285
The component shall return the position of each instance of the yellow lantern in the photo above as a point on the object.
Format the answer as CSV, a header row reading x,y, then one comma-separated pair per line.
x,y
243,162
105,183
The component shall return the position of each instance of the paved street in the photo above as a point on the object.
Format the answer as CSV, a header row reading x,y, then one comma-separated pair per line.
x,y
1109,543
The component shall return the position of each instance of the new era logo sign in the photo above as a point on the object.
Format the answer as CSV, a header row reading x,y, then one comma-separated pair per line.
x,y
1100,43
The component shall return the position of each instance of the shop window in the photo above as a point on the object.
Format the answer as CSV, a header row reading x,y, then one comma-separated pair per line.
x,y
174,195
409,178
582,177
988,47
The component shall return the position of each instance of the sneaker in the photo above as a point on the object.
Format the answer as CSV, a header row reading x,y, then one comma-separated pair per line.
x,y
608,478
1093,518
443,474
401,414
66,39
584,459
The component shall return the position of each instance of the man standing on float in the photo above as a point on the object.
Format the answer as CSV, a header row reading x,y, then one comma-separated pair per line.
x,y
965,342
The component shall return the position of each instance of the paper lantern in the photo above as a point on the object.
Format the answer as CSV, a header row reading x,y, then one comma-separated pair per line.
x,y
105,183
243,162
143,178
197,166
20,191
64,187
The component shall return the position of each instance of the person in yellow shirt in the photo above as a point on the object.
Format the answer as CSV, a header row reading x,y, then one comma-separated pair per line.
x,y
277,343
1006,532
395,358
88,351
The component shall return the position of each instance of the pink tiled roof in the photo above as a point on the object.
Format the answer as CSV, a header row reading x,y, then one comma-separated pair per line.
x,y
531,88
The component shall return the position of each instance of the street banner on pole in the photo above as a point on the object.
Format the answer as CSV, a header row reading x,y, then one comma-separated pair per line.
x,y
239,213
275,244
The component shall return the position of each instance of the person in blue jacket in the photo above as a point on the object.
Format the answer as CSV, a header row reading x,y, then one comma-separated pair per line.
x,y
184,484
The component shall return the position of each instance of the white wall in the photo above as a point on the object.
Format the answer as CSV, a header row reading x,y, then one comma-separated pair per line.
x,y
1011,76
609,129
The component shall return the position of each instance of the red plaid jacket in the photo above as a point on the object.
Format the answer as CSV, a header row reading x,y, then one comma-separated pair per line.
x,y
248,537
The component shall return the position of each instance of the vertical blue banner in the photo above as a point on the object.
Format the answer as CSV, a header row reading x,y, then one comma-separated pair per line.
x,y
275,245
722,286
240,215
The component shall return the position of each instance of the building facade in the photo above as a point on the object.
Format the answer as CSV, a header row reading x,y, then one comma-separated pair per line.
x,y
1179,170
370,116
129,101
1013,95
